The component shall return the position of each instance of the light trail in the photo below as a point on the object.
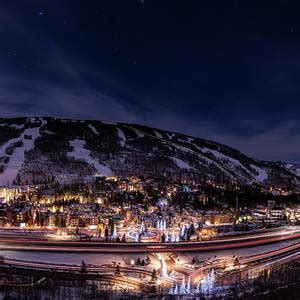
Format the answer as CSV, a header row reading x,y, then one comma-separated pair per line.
x,y
17,242
252,259
164,270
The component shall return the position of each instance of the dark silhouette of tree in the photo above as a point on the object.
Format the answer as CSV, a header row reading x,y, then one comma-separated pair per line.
x,y
118,271
124,238
83,267
154,276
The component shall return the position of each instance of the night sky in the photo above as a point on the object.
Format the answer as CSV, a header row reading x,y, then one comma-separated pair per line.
x,y
224,70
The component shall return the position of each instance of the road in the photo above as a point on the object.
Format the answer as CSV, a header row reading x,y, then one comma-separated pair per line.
x,y
24,243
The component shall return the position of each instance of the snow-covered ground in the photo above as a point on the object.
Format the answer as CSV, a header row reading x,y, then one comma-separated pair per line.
x,y
17,126
262,174
159,135
203,158
295,168
93,129
16,159
182,148
122,137
191,153
80,153
181,164
220,156
170,136
233,164
139,133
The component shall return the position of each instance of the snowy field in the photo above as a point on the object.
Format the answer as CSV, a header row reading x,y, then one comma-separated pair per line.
x,y
80,153
16,159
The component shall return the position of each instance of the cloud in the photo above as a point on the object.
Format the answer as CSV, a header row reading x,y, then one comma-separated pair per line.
x,y
281,141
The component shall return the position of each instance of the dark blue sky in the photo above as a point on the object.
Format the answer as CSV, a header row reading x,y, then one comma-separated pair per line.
x,y
224,70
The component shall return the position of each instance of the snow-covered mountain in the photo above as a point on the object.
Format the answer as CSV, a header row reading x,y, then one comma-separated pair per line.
x,y
294,168
36,150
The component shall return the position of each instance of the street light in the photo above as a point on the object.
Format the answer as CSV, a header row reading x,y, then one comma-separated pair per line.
x,y
132,262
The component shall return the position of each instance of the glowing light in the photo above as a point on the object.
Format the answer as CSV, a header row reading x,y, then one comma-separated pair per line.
x,y
182,290
208,283
176,290
164,271
188,286
142,228
115,234
92,227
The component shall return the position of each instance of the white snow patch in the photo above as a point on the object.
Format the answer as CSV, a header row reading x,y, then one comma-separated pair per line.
x,y
181,164
296,171
44,122
16,159
200,155
17,126
262,174
93,129
48,132
294,168
170,136
188,150
182,148
159,135
122,137
80,153
139,133
181,140
223,157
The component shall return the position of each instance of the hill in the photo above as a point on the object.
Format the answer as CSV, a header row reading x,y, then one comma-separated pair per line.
x,y
39,150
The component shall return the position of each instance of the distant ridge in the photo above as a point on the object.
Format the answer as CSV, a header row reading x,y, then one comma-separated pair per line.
x,y
42,149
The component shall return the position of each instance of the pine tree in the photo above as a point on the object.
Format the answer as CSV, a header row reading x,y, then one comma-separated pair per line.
x,y
148,261
192,229
118,271
83,267
124,238
154,276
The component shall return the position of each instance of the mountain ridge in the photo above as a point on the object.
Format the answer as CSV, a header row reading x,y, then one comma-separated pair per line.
x,y
45,149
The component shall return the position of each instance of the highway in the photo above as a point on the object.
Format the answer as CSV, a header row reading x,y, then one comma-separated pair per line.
x,y
24,243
